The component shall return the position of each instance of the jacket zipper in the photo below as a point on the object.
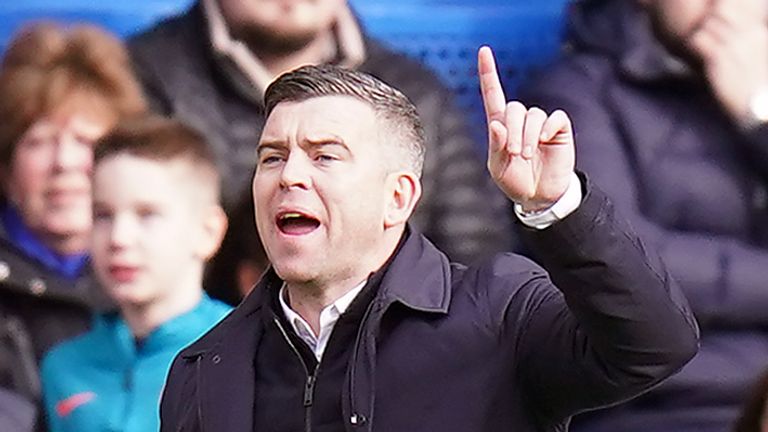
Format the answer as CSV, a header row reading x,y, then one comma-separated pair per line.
x,y
309,386
353,366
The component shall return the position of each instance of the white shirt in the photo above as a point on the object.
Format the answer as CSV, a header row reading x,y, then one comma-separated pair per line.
x,y
328,317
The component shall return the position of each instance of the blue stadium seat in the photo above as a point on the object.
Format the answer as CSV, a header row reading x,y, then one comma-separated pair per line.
x,y
444,34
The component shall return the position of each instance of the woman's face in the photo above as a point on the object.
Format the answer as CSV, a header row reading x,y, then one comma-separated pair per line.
x,y
48,179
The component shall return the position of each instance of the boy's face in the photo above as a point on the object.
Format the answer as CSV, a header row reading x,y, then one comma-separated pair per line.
x,y
150,238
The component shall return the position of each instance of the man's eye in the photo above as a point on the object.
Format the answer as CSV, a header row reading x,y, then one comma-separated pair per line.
x,y
268,160
326,158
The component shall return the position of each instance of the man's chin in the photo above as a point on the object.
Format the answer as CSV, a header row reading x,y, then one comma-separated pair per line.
x,y
276,41
296,271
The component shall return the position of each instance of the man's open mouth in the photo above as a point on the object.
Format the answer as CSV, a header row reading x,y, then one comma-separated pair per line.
x,y
295,223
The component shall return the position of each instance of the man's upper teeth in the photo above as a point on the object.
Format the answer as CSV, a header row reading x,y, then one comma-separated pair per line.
x,y
291,215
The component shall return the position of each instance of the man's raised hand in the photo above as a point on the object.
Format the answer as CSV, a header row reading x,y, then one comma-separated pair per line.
x,y
530,154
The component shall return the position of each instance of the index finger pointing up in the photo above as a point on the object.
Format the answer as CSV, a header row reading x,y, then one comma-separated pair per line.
x,y
494,100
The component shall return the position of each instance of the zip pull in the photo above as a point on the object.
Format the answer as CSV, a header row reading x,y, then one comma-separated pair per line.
x,y
309,391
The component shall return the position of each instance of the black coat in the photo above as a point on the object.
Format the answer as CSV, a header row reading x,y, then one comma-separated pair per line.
x,y
38,309
490,348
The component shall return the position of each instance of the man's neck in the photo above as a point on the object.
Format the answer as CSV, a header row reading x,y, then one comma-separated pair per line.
x,y
309,300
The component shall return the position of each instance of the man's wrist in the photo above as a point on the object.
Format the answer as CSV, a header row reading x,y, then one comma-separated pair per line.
x,y
567,204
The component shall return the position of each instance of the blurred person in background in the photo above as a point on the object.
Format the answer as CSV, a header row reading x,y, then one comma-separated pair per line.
x,y
753,415
670,98
60,90
156,221
241,260
210,67
17,413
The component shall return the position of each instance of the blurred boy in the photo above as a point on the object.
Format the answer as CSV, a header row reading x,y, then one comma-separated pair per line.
x,y
61,89
157,220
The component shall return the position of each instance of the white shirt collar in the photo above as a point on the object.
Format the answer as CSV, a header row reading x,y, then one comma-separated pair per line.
x,y
328,318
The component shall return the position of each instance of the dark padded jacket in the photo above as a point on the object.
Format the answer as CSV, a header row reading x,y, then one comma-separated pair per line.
x,y
693,184
38,309
461,211
495,347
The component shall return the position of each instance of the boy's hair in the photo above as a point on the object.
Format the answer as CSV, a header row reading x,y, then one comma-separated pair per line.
x,y
389,103
162,139
45,64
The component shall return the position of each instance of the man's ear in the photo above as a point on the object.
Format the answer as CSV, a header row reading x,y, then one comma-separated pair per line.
x,y
214,226
404,192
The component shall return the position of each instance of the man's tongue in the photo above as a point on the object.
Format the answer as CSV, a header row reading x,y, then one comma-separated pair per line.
x,y
298,225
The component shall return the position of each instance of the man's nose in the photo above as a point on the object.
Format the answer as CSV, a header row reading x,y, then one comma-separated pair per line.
x,y
295,172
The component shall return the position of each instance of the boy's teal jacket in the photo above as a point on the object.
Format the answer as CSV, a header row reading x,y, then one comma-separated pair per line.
x,y
104,381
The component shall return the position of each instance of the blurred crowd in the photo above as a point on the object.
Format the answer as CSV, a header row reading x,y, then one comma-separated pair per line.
x,y
127,216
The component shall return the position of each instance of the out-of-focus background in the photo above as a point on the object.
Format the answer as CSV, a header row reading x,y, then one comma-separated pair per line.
x,y
445,34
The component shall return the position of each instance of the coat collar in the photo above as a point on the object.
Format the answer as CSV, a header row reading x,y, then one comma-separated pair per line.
x,y
418,276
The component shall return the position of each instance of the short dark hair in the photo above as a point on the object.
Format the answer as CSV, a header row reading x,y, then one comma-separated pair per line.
x,y
159,138
327,80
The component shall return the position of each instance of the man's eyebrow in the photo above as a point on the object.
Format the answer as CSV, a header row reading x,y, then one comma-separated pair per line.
x,y
269,145
329,140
